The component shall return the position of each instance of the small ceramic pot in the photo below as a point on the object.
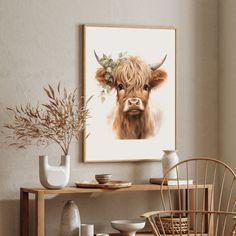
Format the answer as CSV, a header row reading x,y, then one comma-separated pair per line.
x,y
103,178
87,230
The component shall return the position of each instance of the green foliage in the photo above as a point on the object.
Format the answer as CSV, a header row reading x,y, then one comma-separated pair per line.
x,y
110,65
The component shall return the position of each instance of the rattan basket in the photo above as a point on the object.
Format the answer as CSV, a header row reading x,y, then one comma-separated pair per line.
x,y
173,225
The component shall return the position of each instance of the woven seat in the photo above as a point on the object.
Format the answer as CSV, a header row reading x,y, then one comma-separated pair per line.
x,y
175,224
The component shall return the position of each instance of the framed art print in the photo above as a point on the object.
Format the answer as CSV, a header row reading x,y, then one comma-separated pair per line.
x,y
130,72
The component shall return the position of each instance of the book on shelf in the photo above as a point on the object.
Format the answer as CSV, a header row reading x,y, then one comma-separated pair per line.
x,y
171,182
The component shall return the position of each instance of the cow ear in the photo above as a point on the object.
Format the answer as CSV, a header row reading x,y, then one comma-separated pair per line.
x,y
100,77
158,78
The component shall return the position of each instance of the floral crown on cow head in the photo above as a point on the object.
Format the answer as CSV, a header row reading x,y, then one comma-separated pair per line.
x,y
109,65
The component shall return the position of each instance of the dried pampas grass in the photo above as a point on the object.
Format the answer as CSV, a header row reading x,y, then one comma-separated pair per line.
x,y
59,120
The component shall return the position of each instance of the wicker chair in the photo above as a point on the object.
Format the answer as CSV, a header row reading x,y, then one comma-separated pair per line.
x,y
205,205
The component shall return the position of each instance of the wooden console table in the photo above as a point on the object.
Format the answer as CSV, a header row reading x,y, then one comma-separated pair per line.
x,y
40,193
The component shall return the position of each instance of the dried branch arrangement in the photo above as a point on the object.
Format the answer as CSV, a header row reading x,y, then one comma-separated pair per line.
x,y
59,120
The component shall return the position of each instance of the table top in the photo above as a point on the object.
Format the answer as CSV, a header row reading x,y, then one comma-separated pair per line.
x,y
132,188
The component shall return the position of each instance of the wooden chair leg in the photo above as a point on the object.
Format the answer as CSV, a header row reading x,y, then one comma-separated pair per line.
x,y
154,229
234,228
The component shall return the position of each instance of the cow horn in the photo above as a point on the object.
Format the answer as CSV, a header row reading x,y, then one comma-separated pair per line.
x,y
157,65
98,59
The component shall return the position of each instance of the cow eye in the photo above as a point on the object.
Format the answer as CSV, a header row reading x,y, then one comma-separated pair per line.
x,y
120,87
146,87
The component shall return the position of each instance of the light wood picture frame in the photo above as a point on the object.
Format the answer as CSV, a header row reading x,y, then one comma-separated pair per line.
x,y
131,73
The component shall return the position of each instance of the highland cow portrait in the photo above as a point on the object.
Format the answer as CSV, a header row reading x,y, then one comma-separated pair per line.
x,y
130,72
133,80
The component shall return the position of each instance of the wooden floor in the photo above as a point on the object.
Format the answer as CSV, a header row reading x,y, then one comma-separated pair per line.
x,y
150,234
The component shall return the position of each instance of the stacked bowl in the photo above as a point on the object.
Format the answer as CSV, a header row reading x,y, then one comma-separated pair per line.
x,y
103,178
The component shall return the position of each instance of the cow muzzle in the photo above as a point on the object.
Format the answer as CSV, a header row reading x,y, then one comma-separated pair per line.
x,y
133,106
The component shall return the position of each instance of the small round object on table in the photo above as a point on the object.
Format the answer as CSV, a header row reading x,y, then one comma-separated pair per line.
x,y
128,227
103,178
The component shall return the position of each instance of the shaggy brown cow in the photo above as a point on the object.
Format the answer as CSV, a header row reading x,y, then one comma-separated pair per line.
x,y
133,81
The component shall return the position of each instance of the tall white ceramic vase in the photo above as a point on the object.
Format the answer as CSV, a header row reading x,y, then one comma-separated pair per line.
x,y
169,159
54,177
70,224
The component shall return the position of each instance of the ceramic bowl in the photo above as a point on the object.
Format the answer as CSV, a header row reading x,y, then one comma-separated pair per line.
x,y
128,227
103,178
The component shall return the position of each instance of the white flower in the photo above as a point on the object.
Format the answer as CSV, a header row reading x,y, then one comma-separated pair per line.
x,y
109,70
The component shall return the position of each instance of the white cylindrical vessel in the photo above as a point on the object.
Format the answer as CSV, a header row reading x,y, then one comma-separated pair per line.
x,y
169,159
70,224
87,230
54,177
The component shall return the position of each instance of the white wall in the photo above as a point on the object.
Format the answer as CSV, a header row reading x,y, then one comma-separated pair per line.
x,y
40,43
227,81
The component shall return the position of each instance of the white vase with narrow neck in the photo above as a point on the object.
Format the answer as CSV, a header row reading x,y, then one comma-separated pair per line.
x,y
54,177
169,159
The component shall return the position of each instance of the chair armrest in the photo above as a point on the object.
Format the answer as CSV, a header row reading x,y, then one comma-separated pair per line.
x,y
163,212
150,213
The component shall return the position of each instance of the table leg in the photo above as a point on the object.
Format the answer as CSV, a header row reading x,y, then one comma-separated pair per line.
x,y
39,213
24,213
